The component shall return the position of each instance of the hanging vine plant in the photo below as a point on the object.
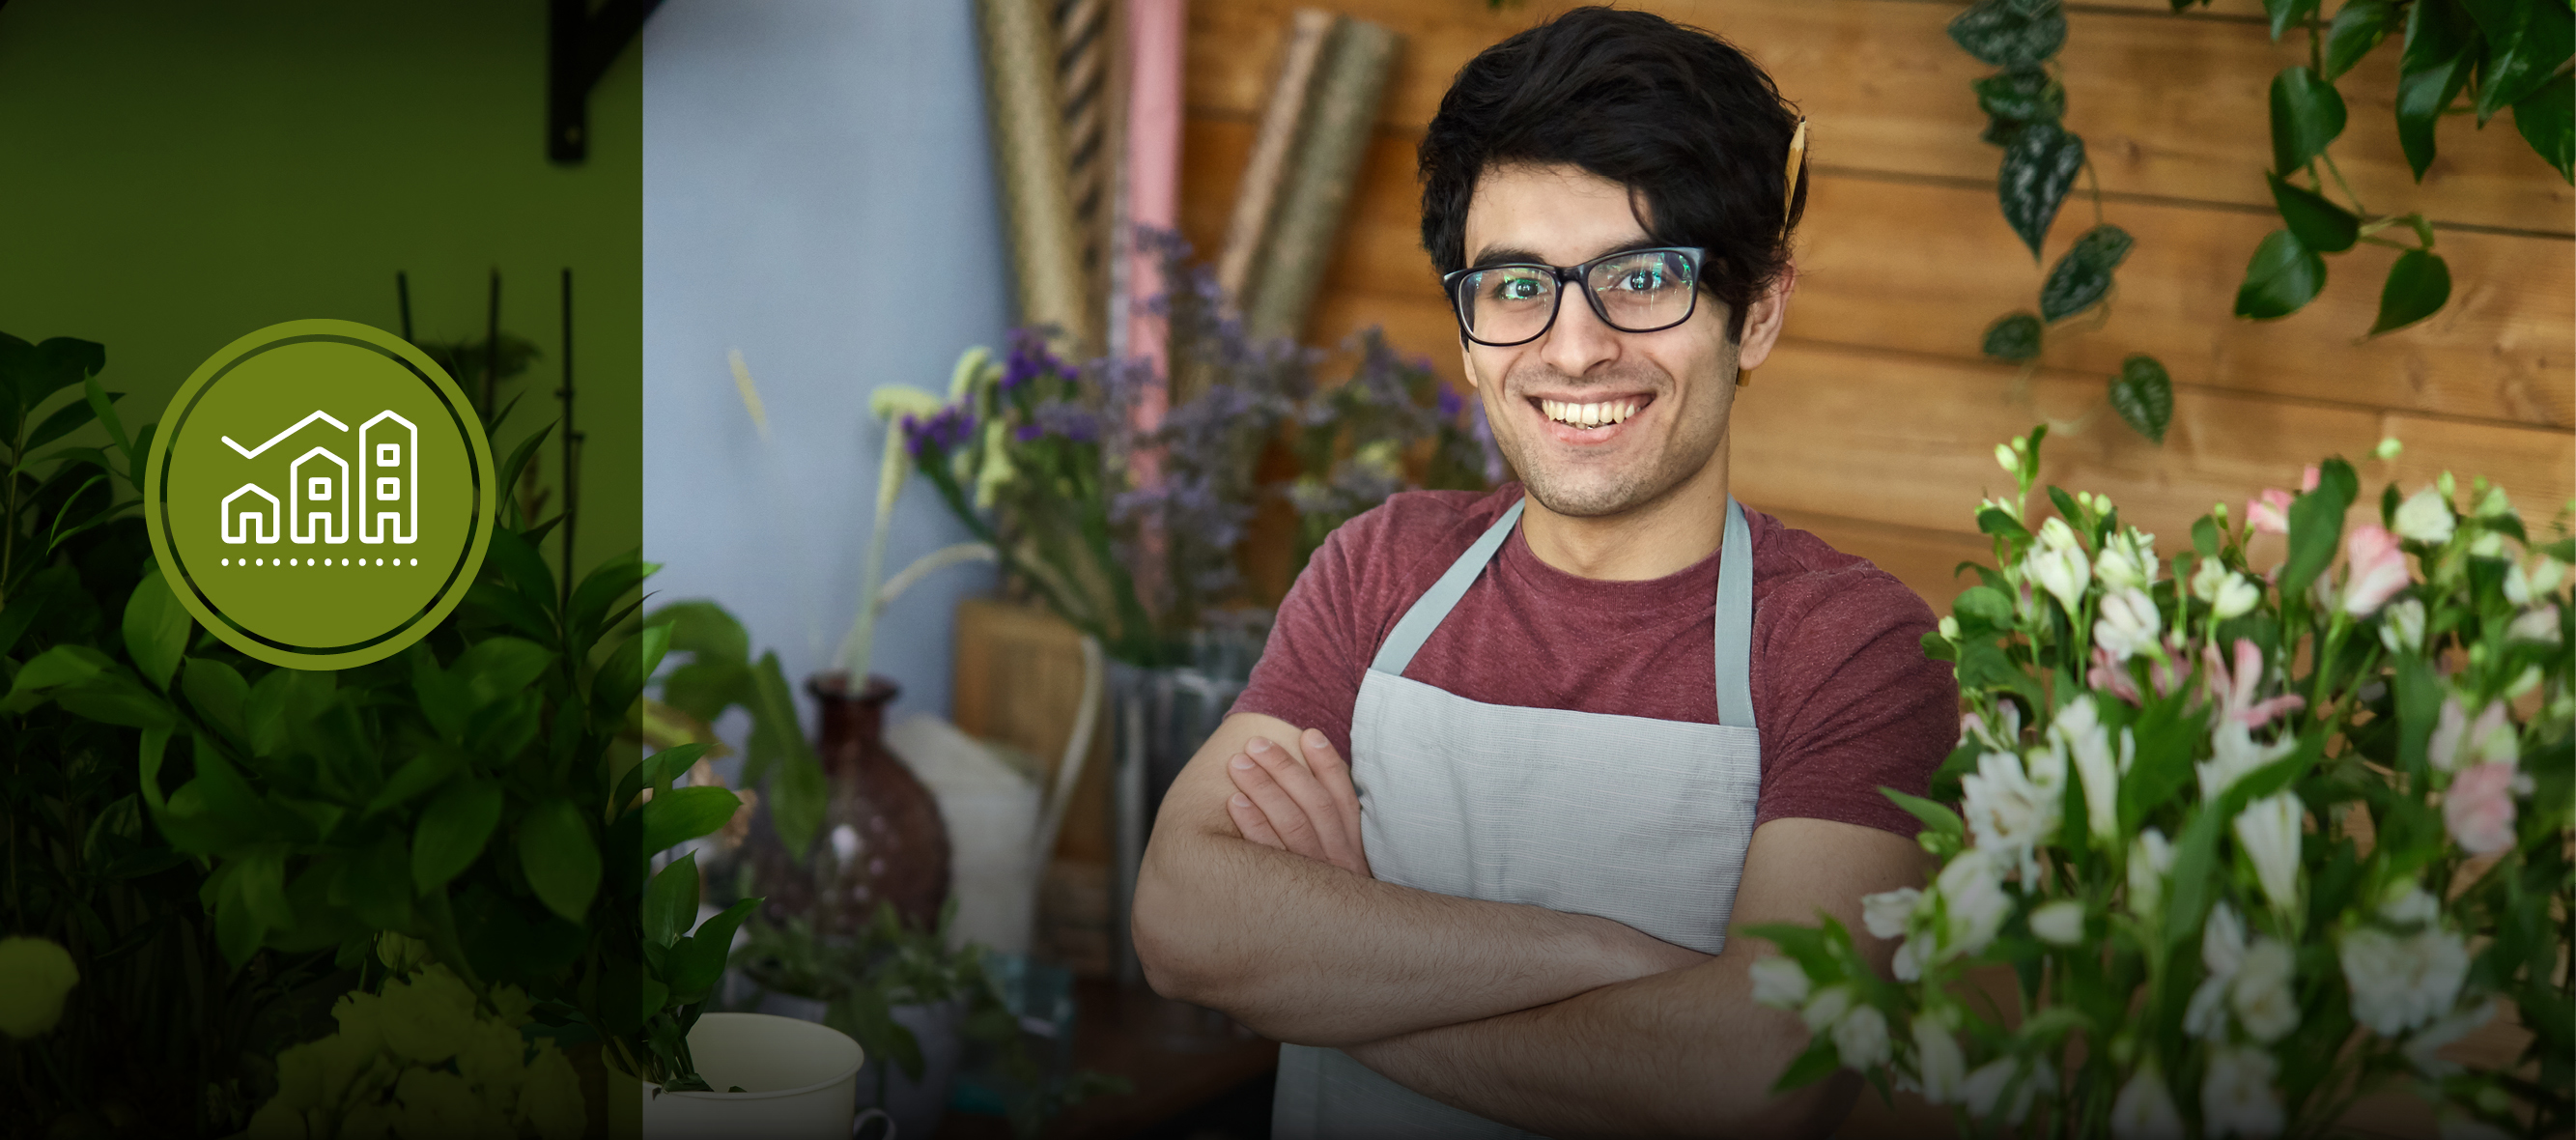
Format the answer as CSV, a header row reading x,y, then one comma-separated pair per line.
x,y
2460,57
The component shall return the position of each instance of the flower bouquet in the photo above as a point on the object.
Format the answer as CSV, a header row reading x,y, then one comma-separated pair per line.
x,y
2253,842
1125,525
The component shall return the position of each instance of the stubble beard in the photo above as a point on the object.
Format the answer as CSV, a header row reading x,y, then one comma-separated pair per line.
x,y
1585,491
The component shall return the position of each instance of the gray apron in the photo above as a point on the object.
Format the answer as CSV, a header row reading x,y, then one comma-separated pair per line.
x,y
1643,822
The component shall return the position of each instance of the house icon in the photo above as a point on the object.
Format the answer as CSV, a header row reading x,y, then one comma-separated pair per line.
x,y
388,473
318,478
247,524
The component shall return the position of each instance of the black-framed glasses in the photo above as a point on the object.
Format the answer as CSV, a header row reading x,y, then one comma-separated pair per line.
x,y
1636,291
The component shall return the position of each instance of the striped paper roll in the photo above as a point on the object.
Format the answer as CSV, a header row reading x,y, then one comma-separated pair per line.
x,y
1321,169
1020,86
1082,31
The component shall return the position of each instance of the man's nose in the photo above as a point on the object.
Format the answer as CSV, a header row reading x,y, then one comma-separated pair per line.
x,y
1580,340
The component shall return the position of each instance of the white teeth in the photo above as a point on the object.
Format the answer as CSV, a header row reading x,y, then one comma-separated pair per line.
x,y
1589,415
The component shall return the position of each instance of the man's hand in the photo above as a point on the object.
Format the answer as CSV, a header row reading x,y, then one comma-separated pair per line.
x,y
1307,809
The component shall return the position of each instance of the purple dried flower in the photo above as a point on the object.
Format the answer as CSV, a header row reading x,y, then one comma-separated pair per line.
x,y
1027,433
912,435
1450,404
949,429
1071,421
1029,359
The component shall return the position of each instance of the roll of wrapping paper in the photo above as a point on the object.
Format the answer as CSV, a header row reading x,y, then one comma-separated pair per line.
x,y
1083,30
1020,90
1257,199
1330,143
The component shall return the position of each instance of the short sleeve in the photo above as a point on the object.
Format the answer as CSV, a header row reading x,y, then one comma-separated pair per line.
x,y
1854,705
1310,671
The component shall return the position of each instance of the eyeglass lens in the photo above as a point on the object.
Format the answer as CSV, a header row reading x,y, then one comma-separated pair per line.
x,y
1635,292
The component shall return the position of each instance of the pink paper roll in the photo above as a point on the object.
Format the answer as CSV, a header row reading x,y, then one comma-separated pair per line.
x,y
1153,173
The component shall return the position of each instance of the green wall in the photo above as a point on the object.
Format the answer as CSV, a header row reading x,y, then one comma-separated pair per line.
x,y
176,173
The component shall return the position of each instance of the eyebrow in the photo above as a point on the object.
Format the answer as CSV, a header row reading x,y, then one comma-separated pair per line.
x,y
1509,255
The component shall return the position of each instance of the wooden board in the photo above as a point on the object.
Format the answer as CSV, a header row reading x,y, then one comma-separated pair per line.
x,y
1018,680
2170,107
1925,267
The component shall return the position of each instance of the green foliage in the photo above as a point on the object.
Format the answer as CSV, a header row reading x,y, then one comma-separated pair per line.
x,y
890,964
2083,277
2501,53
719,676
2283,277
2014,338
160,1032
2143,395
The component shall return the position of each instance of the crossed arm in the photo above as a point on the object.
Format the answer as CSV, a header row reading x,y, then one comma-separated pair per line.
x,y
1256,899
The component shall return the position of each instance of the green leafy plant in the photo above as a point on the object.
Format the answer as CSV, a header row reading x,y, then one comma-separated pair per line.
x,y
861,981
2254,841
2461,56
480,791
161,1034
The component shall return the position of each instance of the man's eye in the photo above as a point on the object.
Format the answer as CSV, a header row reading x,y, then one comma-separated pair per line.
x,y
1643,280
1520,289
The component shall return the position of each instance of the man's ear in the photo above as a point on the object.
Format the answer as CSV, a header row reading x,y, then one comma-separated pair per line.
x,y
1763,321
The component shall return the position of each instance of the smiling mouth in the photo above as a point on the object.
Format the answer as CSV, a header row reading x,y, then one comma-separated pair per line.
x,y
1601,414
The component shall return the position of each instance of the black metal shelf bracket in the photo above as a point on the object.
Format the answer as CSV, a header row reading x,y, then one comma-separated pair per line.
x,y
581,44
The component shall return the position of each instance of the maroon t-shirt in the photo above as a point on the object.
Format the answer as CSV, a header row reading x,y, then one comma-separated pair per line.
x,y
1844,699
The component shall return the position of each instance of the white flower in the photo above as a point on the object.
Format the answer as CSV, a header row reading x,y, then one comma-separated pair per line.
x,y
2222,952
2234,755
2261,995
2537,624
1984,1090
2145,1111
2487,545
2060,923
2237,597
1937,1059
2400,981
2423,1049
2129,624
2007,811
2150,857
2236,1097
2457,744
1826,1008
2426,517
2268,831
2401,626
2079,730
2494,504
1885,913
1779,982
1861,1038
2128,561
1911,956
2058,563
1972,894
2005,459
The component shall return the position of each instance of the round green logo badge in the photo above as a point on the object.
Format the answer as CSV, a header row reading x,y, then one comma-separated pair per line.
x,y
319,494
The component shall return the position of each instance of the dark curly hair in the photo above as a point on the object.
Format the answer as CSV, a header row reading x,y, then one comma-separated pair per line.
x,y
1674,112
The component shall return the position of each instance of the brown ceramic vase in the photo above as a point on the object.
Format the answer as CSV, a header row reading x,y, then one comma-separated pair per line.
x,y
882,839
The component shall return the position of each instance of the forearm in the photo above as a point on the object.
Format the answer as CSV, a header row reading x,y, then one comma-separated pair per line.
x,y
1305,952
1685,1053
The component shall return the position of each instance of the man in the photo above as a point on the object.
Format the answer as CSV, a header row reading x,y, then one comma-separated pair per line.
x,y
1594,720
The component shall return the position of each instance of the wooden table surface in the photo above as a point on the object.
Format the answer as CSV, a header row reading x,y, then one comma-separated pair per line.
x,y
1178,1057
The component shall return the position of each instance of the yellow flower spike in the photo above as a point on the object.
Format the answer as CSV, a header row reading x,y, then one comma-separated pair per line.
x,y
35,975
970,366
892,402
750,392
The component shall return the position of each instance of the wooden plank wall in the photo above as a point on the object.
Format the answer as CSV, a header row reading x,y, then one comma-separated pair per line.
x,y
1873,424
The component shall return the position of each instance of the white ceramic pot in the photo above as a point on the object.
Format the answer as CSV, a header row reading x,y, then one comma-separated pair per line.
x,y
915,1106
799,1081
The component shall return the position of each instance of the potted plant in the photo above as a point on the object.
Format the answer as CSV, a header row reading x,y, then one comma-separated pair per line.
x,y
2255,837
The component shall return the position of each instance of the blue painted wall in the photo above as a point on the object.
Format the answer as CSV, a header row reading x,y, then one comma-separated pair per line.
x,y
818,194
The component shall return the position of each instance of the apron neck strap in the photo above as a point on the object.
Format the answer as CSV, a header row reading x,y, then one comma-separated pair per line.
x,y
1734,610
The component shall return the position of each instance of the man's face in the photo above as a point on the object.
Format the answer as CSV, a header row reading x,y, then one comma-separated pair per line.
x,y
1675,385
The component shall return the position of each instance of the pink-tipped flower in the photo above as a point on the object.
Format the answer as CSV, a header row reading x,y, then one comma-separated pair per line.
x,y
2111,675
2235,688
2479,808
2308,479
2269,512
2377,573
